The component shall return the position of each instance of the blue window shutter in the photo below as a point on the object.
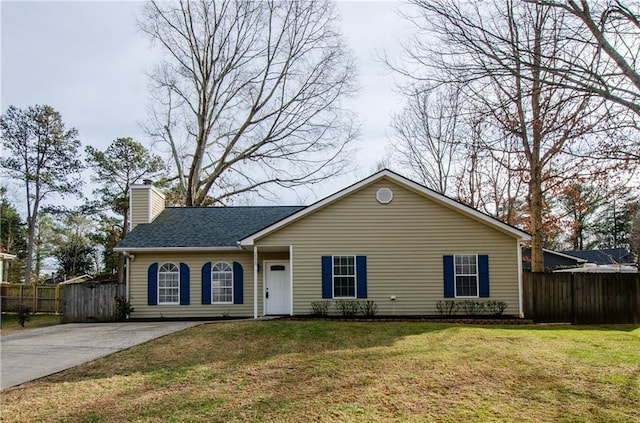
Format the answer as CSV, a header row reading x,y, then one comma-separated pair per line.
x,y
361,275
206,283
327,271
184,284
483,274
238,283
152,284
449,277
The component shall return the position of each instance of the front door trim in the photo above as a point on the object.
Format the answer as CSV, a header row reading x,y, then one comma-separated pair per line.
x,y
266,266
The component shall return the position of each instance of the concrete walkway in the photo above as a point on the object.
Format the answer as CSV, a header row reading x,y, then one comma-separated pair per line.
x,y
35,353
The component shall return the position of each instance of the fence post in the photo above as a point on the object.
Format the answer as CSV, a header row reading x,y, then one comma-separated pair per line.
x,y
574,319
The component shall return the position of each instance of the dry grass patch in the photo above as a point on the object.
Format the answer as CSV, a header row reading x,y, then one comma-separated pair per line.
x,y
342,371
9,322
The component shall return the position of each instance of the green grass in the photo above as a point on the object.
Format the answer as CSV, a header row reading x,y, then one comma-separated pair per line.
x,y
283,371
9,322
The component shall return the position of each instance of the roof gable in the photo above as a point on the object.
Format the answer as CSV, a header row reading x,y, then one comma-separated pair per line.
x,y
402,181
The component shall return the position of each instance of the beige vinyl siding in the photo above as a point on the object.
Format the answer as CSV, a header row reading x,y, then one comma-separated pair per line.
x,y
139,205
404,242
147,202
157,202
195,261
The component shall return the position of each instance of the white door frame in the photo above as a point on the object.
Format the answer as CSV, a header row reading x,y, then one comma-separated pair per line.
x,y
265,267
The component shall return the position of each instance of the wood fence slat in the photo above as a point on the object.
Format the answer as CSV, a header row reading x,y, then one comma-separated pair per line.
x,y
91,302
40,298
582,298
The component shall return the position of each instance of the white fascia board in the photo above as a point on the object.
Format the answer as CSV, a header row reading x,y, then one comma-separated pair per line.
x,y
175,249
400,180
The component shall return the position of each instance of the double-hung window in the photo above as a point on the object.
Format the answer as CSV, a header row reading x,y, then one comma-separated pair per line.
x,y
466,275
344,277
221,283
168,284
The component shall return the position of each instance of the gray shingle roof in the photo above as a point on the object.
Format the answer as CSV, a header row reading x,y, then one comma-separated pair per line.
x,y
619,255
203,227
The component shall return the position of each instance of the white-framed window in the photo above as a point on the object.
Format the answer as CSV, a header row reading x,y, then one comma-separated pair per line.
x,y
344,277
168,284
466,275
221,283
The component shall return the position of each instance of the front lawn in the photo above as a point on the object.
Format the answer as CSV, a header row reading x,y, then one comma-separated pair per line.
x,y
348,371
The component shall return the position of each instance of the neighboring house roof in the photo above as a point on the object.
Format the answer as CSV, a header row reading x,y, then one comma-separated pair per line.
x,y
7,256
401,180
202,227
605,256
601,268
551,259
77,279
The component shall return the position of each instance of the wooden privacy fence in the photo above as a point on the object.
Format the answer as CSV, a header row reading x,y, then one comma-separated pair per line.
x,y
39,298
582,298
91,302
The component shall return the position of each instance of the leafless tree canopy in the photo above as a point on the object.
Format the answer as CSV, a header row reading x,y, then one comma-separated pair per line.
x,y
250,94
429,130
609,33
504,56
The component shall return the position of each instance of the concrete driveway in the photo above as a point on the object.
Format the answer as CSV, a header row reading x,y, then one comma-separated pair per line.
x,y
35,353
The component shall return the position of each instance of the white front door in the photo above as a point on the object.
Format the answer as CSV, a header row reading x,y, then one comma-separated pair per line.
x,y
277,288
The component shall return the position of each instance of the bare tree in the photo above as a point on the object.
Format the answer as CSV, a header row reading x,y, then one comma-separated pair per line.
x,y
250,94
499,53
439,140
429,132
609,33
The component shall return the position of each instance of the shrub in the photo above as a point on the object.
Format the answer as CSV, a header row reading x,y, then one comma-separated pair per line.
x,y
369,308
348,308
496,308
447,307
320,308
472,307
24,314
123,308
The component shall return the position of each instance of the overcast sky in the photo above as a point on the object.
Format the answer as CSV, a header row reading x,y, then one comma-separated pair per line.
x,y
88,61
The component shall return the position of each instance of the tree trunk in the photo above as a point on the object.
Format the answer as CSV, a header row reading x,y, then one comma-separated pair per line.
x,y
121,258
535,212
31,238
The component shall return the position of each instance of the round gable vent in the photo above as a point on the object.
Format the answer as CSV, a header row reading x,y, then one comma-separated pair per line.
x,y
384,195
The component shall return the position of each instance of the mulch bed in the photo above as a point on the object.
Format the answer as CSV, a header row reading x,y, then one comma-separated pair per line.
x,y
467,320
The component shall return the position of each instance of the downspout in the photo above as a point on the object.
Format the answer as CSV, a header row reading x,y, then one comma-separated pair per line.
x,y
291,279
127,279
520,287
255,281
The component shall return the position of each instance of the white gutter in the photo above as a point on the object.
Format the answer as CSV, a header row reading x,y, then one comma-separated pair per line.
x,y
175,249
